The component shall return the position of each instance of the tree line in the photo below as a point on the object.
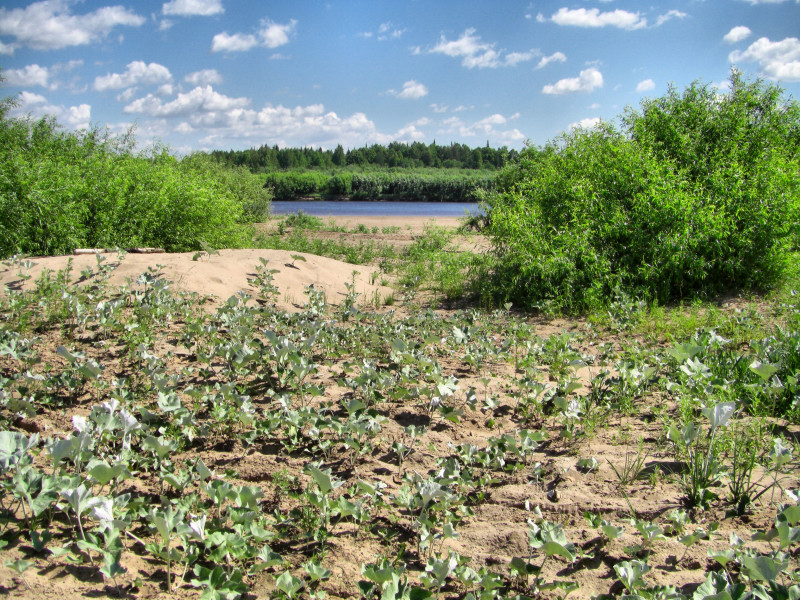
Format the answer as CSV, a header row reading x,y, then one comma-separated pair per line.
x,y
419,185
267,159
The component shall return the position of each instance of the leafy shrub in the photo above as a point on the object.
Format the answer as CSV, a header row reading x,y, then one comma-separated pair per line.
x,y
60,190
247,188
695,195
301,220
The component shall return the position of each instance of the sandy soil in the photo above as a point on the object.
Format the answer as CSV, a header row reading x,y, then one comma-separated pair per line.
x,y
491,537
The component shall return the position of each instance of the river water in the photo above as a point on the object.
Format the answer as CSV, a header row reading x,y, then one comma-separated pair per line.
x,y
359,208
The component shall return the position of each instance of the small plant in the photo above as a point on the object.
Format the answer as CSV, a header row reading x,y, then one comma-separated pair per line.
x,y
633,466
704,467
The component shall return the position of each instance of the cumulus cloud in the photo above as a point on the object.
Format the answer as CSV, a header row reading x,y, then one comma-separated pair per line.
x,y
493,128
27,76
270,35
587,123
50,25
137,73
555,57
776,60
474,52
412,90
283,126
185,8
737,34
587,81
647,84
592,17
36,105
204,77
202,101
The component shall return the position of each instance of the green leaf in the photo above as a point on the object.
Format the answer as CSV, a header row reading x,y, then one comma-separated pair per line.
x,y
19,566
289,584
379,574
723,557
111,565
102,472
682,352
39,540
764,370
322,478
611,531
720,414
762,567
630,573
316,571
520,567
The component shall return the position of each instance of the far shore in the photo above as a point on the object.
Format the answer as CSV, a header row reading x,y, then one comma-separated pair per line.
x,y
414,224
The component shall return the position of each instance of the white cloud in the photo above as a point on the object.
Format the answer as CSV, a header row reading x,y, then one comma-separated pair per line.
x,y
592,17
203,8
474,52
127,94
238,42
777,60
409,133
271,35
412,90
669,15
555,57
27,76
737,34
275,34
491,128
36,105
512,58
388,31
137,73
283,126
31,99
647,84
754,2
439,108
587,123
201,102
587,81
204,77
50,25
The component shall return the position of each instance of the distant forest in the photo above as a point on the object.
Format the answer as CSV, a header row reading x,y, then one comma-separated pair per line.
x,y
268,159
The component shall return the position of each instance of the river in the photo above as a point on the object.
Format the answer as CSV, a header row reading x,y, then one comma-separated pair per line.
x,y
360,208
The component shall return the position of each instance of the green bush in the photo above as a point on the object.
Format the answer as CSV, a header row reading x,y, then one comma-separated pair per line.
x,y
697,194
60,191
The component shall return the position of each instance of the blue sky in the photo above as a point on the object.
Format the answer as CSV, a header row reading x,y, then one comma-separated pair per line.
x,y
222,74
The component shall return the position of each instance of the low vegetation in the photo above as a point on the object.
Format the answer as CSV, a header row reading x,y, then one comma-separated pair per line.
x,y
417,185
154,445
